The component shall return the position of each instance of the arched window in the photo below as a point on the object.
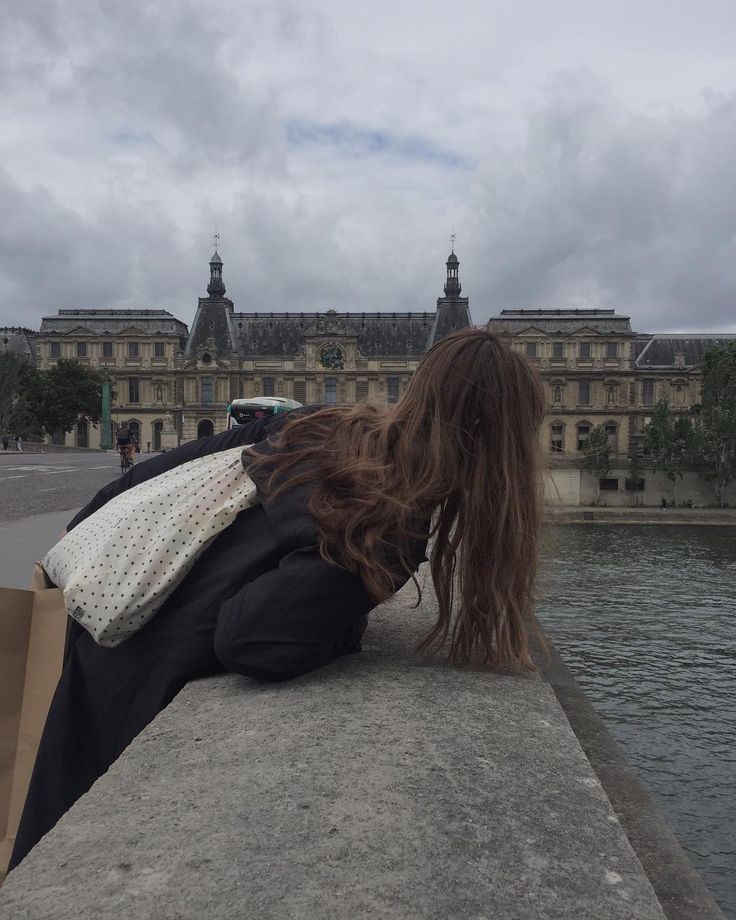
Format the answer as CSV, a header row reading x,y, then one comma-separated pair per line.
x,y
135,430
158,427
205,428
557,438
583,430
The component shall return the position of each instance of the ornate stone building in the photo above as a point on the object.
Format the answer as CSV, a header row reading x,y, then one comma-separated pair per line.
x,y
597,371
162,373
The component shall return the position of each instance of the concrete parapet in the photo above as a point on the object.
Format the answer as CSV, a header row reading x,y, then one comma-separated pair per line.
x,y
377,787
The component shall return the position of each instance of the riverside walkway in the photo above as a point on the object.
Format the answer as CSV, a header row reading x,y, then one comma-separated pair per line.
x,y
378,787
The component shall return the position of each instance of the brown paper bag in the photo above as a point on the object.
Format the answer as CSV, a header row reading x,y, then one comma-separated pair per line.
x,y
33,628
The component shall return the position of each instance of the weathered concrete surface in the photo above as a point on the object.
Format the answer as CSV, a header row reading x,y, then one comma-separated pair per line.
x,y
377,787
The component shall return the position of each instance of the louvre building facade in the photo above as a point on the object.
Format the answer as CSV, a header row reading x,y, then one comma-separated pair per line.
x,y
167,378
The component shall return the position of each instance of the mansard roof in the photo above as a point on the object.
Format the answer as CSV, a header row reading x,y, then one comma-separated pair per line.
x,y
113,322
377,333
19,340
561,322
659,351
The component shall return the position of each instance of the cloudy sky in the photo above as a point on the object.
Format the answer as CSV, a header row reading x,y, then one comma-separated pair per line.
x,y
583,152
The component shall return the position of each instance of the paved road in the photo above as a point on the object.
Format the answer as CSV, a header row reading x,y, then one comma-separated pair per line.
x,y
33,484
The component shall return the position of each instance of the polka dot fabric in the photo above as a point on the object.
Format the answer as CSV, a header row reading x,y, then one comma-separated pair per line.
x,y
118,566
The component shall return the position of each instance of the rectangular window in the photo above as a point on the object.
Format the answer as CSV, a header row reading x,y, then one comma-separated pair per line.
x,y
583,436
268,386
608,485
331,390
557,445
584,393
208,389
634,485
82,434
393,389
558,351
647,392
133,350
361,390
134,393
81,349
585,351
54,349
611,434
612,349
107,349
531,349
158,350
300,391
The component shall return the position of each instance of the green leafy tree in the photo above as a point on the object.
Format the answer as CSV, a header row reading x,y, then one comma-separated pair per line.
x,y
66,394
670,443
596,457
714,447
16,383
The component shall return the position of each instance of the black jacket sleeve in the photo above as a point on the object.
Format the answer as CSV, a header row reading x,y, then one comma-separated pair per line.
x,y
292,619
252,433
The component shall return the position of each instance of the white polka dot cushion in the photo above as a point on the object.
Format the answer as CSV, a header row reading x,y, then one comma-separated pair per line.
x,y
118,566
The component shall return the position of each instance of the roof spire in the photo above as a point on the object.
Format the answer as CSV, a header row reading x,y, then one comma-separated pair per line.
x,y
216,287
452,285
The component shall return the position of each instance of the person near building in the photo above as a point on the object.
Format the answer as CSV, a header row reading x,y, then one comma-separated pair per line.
x,y
19,444
349,496
6,441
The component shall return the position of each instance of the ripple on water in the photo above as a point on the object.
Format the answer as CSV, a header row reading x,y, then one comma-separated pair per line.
x,y
645,617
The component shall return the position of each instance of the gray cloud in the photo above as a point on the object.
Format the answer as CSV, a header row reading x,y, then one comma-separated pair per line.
x,y
580,167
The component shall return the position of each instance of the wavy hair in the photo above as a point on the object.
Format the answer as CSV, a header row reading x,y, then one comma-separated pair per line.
x,y
460,450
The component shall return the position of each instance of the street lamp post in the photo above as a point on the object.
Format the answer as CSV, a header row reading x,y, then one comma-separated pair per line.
x,y
106,433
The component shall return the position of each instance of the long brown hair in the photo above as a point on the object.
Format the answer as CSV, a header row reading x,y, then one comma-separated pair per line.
x,y
460,448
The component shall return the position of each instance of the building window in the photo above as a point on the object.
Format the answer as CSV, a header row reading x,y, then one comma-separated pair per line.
x,y
134,393
557,394
584,352
58,437
54,349
531,349
634,485
107,349
557,442
557,351
208,389
647,392
612,435
679,396
300,391
612,349
584,393
81,349
134,428
158,350
133,350
393,389
583,435
331,390
82,434
608,485
268,386
361,390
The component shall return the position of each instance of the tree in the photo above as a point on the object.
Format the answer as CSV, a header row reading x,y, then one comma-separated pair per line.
x,y
66,394
715,419
669,442
16,383
596,457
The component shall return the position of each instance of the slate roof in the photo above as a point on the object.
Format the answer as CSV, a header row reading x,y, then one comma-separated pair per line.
x,y
560,322
18,340
377,333
660,350
113,322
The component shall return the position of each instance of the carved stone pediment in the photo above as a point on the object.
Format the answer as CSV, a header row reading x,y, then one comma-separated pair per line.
x,y
331,325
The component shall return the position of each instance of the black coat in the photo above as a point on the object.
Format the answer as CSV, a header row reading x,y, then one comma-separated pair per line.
x,y
260,601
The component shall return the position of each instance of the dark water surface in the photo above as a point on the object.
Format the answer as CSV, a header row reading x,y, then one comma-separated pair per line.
x,y
645,617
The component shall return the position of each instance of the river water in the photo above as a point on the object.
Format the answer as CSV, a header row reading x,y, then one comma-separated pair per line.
x,y
645,617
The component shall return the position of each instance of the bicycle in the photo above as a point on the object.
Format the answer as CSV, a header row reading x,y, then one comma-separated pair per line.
x,y
126,461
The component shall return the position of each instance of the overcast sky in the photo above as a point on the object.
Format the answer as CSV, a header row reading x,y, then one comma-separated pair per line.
x,y
583,152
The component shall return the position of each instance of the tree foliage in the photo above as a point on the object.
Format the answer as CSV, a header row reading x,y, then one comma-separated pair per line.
x,y
715,419
16,382
670,443
596,458
66,394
